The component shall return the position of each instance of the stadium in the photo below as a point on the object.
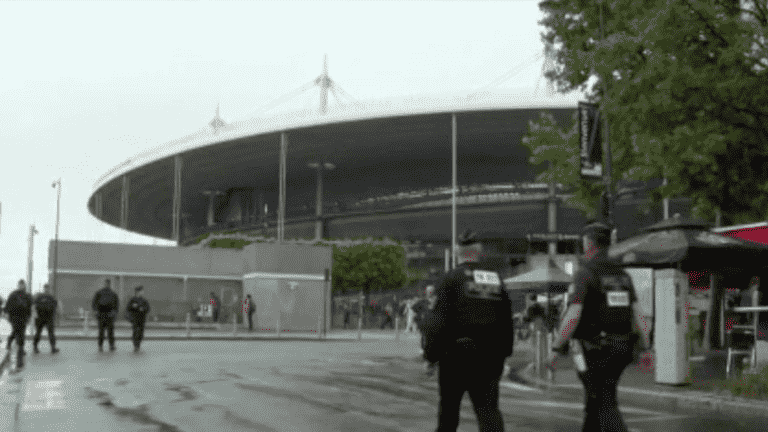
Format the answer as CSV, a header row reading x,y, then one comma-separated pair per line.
x,y
380,169
390,177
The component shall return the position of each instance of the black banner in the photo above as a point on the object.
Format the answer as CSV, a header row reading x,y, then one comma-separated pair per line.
x,y
590,140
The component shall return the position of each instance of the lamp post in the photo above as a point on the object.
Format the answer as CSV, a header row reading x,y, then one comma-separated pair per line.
x,y
32,232
320,166
56,241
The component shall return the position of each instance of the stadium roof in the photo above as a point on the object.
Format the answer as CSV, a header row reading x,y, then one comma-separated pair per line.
x,y
375,145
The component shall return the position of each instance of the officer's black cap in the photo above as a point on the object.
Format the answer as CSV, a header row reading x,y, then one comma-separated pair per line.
x,y
139,288
596,229
468,237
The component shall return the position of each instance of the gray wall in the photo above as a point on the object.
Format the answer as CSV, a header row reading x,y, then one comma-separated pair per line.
x,y
83,266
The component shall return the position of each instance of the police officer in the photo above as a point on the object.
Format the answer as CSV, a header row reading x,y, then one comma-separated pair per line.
x,y
470,332
106,304
136,312
606,324
45,307
18,306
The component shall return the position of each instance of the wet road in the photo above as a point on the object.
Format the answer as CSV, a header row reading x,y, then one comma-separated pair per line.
x,y
281,386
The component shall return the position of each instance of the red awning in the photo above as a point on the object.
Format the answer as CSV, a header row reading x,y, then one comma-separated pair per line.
x,y
757,232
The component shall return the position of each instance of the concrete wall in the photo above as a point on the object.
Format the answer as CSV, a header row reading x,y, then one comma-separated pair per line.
x,y
286,281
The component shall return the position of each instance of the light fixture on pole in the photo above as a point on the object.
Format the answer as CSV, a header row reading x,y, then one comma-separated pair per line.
x,y
54,287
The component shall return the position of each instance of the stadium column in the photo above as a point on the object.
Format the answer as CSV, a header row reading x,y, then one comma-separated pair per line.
x,y
319,223
454,150
99,205
124,204
281,204
177,164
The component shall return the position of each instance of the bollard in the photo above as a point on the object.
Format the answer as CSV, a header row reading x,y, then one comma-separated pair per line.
x,y
397,328
234,324
85,324
189,325
359,328
537,347
550,372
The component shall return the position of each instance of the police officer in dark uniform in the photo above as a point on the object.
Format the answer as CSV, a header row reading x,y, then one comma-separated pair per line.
x,y
605,326
19,310
45,307
469,332
106,304
136,312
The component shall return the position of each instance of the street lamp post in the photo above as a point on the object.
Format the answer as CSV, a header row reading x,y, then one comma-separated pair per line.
x,y
32,232
56,241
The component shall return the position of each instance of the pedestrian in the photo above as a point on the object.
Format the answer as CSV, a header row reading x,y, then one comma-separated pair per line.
x,y
605,324
346,309
470,332
136,312
18,306
250,309
106,304
45,308
410,316
388,312
423,307
215,307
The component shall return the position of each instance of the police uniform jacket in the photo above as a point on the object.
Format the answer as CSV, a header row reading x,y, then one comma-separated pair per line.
x,y
472,303
95,302
606,294
138,308
24,313
45,298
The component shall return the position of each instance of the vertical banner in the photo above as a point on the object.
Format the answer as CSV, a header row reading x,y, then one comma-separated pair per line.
x,y
589,141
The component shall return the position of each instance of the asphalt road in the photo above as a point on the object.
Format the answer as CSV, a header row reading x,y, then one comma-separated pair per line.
x,y
282,386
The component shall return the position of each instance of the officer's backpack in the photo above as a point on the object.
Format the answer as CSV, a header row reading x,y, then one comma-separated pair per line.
x,y
107,301
45,304
19,303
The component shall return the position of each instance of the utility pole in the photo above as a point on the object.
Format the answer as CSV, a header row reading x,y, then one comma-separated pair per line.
x,y
607,175
32,232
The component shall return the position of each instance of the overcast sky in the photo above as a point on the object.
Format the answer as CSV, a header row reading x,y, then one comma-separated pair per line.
x,y
86,85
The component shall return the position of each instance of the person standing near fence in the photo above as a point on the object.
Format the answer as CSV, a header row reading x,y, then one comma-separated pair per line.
x,y
136,313
45,307
106,304
215,307
249,309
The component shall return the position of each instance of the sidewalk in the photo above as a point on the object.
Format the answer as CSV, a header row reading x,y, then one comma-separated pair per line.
x,y
123,333
639,382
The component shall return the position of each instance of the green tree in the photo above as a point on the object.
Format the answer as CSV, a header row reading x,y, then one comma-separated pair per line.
x,y
366,267
559,149
685,92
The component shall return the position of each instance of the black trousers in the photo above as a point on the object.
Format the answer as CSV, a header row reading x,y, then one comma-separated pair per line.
x,y
215,314
44,321
605,364
19,325
106,325
346,319
138,331
250,321
469,371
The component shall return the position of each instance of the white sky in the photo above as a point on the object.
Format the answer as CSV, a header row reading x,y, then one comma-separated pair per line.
x,y
86,85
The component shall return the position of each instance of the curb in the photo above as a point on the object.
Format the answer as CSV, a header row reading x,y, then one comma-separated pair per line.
x,y
691,399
